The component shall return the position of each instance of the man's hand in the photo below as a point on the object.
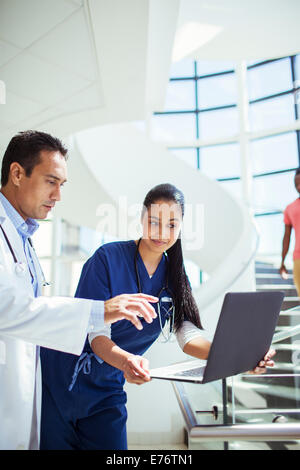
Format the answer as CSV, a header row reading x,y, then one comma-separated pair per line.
x,y
136,369
129,307
283,272
266,362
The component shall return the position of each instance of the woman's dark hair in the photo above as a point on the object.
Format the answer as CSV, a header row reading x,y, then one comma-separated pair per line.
x,y
25,147
185,304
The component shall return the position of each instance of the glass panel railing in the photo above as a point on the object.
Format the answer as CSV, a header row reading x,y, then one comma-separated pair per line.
x,y
273,397
261,428
262,411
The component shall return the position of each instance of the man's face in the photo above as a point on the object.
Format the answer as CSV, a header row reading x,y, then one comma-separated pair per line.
x,y
297,183
37,194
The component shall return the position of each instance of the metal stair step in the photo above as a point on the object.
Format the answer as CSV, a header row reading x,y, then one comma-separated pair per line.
x,y
268,271
287,352
274,276
290,302
289,320
286,367
289,291
278,282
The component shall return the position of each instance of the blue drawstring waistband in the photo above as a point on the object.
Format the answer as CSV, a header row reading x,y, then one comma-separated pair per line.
x,y
84,362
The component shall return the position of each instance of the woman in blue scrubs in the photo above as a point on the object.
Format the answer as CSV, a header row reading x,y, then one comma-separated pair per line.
x,y
83,400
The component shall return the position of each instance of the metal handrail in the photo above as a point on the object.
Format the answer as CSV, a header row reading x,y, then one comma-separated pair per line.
x,y
247,432
240,432
288,333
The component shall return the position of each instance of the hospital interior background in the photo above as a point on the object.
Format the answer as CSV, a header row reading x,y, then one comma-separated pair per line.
x,y
204,95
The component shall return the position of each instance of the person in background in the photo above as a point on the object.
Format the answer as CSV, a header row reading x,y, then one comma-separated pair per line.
x,y
291,220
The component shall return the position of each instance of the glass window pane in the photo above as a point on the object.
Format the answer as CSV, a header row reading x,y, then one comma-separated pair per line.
x,y
219,123
234,187
271,113
167,127
217,91
207,67
297,68
183,68
269,79
189,155
254,61
273,192
273,153
180,96
271,230
220,161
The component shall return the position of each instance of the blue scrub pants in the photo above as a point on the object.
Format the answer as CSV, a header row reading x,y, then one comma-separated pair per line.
x,y
106,429
89,417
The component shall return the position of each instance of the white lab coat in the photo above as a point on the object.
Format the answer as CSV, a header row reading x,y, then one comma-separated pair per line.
x,y
27,322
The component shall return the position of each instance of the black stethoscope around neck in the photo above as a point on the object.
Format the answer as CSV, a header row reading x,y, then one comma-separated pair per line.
x,y
165,302
20,267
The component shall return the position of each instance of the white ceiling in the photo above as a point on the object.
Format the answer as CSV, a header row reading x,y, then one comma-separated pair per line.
x,y
73,64
238,29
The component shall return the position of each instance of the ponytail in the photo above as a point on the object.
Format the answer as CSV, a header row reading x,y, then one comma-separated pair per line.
x,y
185,305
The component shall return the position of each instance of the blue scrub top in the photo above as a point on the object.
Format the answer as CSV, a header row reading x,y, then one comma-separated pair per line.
x,y
108,273
111,272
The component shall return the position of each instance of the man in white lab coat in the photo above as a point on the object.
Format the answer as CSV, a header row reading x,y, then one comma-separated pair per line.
x,y
33,172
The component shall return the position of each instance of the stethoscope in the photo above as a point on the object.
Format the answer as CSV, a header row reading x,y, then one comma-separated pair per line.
x,y
164,302
20,267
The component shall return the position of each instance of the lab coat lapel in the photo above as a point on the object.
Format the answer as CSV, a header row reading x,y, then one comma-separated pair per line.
x,y
38,270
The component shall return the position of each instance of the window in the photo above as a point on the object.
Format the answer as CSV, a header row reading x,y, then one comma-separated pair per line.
x,y
217,91
220,161
274,153
271,230
272,113
183,68
273,192
202,103
209,67
180,95
218,123
270,79
168,127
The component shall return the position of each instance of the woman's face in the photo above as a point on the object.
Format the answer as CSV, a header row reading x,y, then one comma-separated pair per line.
x,y
161,223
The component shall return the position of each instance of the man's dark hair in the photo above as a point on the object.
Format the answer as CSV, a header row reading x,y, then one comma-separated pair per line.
x,y
297,172
25,147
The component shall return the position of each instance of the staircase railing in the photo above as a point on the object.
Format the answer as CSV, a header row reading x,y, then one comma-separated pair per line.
x,y
266,432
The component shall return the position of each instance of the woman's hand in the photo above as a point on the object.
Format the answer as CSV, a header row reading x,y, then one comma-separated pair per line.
x,y
136,369
263,364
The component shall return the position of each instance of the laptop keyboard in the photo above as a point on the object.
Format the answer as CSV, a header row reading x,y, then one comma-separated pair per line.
x,y
191,372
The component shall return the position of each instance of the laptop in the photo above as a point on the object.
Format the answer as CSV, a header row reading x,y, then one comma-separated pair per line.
x,y
242,338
